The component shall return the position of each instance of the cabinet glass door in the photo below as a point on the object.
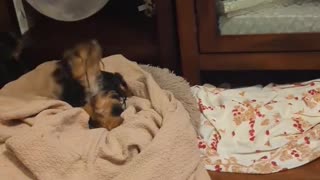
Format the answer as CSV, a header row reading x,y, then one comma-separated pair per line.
x,y
249,17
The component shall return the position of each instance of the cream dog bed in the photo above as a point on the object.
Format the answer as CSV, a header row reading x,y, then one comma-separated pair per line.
x,y
43,138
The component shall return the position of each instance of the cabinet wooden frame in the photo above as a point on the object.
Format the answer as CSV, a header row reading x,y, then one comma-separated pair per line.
x,y
203,48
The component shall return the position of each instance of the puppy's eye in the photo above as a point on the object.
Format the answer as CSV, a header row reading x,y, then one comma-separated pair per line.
x,y
93,124
115,96
117,110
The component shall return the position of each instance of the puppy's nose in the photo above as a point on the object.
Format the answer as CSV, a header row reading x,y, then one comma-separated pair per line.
x,y
92,124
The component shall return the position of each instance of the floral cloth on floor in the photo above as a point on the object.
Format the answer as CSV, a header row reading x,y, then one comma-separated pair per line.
x,y
259,130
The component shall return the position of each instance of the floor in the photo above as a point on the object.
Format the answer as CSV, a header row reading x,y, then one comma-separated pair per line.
x,y
307,172
250,78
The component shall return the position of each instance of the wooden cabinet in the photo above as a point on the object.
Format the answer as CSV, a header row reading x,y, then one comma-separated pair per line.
x,y
202,47
8,20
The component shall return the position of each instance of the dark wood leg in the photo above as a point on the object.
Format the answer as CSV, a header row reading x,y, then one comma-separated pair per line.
x,y
167,35
188,44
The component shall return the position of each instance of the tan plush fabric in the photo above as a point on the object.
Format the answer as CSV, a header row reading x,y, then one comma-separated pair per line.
x,y
41,138
180,89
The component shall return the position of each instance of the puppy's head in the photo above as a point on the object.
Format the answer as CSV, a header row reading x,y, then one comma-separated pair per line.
x,y
122,85
116,82
84,59
105,109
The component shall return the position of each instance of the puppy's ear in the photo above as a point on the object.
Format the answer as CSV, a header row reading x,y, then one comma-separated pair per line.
x,y
123,86
119,78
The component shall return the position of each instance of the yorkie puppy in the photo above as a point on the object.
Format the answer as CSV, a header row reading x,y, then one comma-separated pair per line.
x,y
101,94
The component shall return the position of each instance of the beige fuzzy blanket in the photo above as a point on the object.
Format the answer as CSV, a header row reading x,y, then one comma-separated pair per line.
x,y
42,138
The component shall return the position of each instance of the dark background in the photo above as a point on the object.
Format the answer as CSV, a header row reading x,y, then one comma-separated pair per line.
x,y
121,29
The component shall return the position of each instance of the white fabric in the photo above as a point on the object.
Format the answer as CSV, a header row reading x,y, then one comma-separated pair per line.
x,y
273,19
259,129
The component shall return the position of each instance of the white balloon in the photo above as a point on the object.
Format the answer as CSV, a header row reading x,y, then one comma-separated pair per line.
x,y
68,10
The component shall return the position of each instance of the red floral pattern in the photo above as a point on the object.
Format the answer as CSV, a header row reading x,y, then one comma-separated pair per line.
x,y
202,107
259,130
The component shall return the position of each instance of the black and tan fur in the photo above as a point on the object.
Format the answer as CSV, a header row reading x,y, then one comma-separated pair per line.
x,y
84,85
